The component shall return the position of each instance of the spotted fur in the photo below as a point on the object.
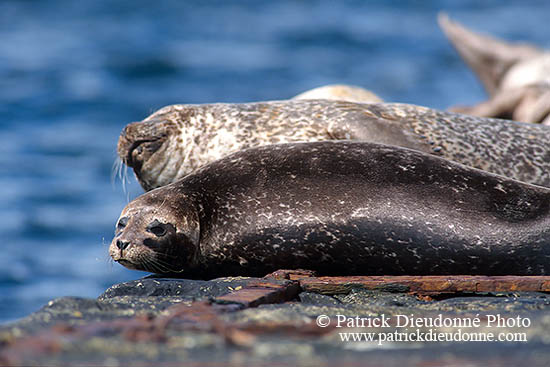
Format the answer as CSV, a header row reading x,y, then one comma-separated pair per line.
x,y
179,139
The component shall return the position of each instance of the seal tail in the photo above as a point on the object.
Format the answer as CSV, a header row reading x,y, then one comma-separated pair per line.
x,y
489,58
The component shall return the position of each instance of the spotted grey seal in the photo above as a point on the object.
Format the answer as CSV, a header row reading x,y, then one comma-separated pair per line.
x,y
340,92
178,139
516,75
337,208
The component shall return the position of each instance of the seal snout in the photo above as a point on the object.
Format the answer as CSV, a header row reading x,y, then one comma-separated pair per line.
x,y
126,142
138,141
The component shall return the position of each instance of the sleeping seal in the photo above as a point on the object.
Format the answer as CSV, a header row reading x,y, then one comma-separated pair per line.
x,y
337,208
179,139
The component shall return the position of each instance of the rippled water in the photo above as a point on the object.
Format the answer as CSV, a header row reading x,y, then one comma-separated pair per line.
x,y
73,73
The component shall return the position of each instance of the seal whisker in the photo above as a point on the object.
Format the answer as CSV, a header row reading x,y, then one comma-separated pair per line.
x,y
170,267
120,171
106,256
115,170
159,266
168,256
125,180
166,266
148,266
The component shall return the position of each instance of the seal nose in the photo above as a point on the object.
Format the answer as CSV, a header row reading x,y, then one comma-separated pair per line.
x,y
122,244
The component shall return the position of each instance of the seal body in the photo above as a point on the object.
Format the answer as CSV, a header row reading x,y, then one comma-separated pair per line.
x,y
340,92
337,208
179,139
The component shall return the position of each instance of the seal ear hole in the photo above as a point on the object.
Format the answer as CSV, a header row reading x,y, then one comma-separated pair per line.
x,y
157,228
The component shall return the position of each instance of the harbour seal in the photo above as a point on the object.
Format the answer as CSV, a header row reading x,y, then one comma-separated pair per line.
x,y
515,75
179,139
337,208
340,92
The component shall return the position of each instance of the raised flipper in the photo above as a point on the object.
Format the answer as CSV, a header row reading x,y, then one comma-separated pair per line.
x,y
489,58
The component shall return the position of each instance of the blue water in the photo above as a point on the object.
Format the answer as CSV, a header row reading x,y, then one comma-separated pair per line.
x,y
73,73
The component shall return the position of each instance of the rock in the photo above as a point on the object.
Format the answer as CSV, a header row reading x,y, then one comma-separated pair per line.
x,y
156,321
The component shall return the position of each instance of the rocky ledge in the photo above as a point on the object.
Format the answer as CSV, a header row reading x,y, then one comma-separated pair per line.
x,y
292,318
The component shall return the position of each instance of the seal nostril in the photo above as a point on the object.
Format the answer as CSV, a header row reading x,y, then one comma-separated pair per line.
x,y
122,244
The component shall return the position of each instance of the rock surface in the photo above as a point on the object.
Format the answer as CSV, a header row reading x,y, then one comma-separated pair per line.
x,y
273,321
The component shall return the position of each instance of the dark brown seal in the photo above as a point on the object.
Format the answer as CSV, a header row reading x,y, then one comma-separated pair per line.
x,y
337,208
179,139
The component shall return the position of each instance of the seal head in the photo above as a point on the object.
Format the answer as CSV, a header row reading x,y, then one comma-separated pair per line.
x,y
154,234
142,146
177,140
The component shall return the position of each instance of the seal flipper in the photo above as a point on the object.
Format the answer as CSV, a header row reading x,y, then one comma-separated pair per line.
x,y
500,105
530,103
536,106
488,57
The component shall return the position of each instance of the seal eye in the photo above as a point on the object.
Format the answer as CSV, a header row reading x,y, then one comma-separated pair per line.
x,y
157,231
157,228
122,222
